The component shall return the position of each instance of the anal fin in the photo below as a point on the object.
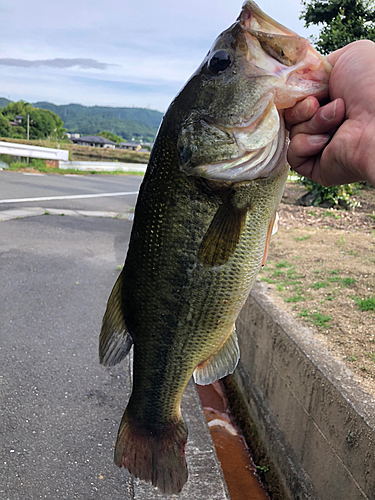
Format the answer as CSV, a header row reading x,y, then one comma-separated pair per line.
x,y
114,340
221,363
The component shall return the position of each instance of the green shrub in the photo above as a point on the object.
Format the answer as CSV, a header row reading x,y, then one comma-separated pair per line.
x,y
329,196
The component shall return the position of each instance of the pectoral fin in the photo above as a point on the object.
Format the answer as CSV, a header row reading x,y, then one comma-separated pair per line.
x,y
223,235
114,341
272,229
221,363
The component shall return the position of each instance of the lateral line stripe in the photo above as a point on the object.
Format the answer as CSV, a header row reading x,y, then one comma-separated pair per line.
x,y
67,197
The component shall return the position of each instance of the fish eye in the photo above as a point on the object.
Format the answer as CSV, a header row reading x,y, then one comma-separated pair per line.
x,y
220,61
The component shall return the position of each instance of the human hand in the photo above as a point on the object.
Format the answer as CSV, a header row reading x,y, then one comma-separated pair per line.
x,y
349,119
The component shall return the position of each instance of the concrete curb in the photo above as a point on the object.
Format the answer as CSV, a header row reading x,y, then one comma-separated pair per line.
x,y
18,213
315,421
103,166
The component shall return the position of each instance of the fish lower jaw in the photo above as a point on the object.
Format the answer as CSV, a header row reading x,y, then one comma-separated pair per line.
x,y
251,165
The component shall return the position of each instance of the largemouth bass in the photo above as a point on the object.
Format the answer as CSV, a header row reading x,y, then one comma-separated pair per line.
x,y
204,214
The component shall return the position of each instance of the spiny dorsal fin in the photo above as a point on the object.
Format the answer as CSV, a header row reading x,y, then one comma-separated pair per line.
x,y
221,363
222,236
114,341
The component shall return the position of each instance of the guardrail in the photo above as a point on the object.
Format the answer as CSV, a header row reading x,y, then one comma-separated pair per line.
x,y
25,150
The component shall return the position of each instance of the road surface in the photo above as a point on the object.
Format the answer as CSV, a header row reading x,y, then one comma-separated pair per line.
x,y
60,409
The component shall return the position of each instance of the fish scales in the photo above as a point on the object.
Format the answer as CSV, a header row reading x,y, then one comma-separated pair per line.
x,y
202,223
182,298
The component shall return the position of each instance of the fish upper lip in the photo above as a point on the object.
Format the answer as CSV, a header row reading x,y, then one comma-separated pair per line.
x,y
301,64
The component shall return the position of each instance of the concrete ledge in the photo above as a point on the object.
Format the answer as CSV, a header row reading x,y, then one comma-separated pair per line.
x,y
103,166
315,421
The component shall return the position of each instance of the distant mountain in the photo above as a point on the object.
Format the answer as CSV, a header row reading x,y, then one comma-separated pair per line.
x,y
3,102
89,120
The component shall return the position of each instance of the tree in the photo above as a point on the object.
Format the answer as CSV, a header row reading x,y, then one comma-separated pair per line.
x,y
4,126
110,136
342,21
43,123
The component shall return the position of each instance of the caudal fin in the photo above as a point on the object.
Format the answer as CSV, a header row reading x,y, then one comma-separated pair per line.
x,y
154,456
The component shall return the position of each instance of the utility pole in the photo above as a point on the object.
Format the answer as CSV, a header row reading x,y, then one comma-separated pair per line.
x,y
28,131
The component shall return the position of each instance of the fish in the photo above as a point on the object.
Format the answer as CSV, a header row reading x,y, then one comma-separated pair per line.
x,y
203,219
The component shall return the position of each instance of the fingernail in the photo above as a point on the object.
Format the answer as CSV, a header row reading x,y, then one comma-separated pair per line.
x,y
318,140
329,111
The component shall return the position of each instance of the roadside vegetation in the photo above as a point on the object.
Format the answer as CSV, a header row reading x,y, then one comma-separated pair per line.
x,y
87,153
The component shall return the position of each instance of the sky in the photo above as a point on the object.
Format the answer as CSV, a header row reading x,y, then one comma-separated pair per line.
x,y
114,52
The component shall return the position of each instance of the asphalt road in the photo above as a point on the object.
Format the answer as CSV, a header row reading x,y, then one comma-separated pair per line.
x,y
19,190
60,409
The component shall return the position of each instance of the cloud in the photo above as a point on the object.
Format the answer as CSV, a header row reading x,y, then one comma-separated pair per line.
x,y
55,63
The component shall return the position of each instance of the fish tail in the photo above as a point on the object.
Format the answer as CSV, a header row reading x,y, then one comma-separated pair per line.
x,y
156,456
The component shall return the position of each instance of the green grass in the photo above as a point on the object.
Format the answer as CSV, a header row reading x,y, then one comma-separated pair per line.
x,y
40,166
366,304
316,318
348,281
295,298
335,279
329,213
282,264
320,320
353,358
320,284
305,313
303,238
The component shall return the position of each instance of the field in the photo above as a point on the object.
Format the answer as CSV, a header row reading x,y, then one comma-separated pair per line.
x,y
321,269
88,153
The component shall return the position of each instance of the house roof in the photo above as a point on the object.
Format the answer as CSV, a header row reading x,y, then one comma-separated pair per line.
x,y
129,144
93,139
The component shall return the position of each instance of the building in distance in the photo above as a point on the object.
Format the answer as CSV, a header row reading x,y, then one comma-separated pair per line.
x,y
94,141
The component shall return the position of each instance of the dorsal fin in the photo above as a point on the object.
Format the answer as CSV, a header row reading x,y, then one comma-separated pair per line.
x,y
114,341
221,363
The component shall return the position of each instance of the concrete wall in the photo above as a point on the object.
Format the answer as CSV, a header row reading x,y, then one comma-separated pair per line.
x,y
315,421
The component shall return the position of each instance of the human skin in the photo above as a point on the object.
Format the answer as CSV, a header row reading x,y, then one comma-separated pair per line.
x,y
335,144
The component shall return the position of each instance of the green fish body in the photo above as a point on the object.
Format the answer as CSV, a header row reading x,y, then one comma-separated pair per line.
x,y
204,214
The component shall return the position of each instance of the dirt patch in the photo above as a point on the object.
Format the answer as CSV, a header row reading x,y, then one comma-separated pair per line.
x,y
321,269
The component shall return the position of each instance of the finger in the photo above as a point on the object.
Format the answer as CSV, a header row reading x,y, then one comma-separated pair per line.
x,y
333,56
335,170
304,146
311,169
301,111
327,118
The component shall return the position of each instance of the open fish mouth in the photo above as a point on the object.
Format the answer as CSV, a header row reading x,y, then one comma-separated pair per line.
x,y
301,69
286,69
